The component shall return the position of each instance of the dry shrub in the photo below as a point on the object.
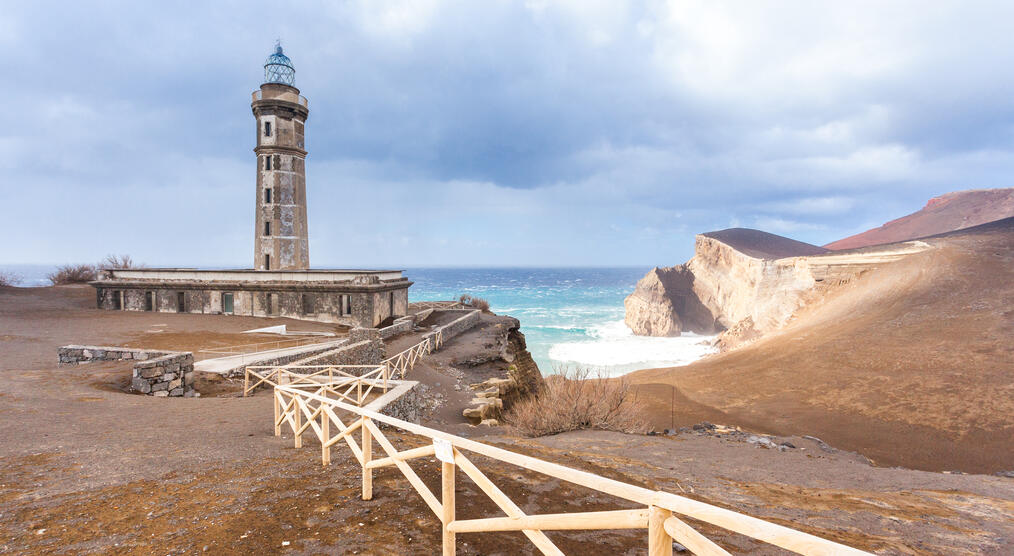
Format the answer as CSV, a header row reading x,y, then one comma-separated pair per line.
x,y
72,274
574,400
121,262
474,302
9,279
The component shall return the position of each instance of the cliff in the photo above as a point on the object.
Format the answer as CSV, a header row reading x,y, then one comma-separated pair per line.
x,y
949,212
745,281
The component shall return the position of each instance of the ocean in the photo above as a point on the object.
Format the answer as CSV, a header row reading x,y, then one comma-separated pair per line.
x,y
571,317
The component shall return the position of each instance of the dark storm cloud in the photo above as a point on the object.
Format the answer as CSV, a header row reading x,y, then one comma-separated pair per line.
x,y
496,132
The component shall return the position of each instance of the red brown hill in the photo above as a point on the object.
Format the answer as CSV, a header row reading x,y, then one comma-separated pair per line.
x,y
946,213
910,363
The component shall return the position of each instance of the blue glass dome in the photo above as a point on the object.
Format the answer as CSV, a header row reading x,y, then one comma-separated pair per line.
x,y
278,68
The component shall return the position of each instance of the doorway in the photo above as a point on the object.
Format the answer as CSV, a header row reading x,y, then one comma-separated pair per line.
x,y
181,302
228,304
149,301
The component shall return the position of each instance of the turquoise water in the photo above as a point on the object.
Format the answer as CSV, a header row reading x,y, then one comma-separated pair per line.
x,y
571,317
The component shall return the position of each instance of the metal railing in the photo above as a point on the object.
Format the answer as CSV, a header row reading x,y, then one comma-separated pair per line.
x,y
657,514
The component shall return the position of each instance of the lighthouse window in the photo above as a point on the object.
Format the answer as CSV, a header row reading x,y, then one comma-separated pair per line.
x,y
267,227
267,195
267,162
267,129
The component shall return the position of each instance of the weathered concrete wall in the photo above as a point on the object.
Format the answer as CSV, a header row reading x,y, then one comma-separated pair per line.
x,y
324,301
156,373
280,170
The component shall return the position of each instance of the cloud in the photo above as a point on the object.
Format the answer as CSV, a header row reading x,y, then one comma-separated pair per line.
x,y
451,132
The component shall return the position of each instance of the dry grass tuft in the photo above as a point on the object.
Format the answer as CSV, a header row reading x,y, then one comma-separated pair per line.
x,y
475,302
9,279
72,274
574,400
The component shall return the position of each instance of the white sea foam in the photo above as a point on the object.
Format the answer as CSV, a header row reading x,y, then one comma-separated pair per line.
x,y
616,350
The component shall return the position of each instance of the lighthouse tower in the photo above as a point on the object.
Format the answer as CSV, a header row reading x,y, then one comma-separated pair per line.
x,y
280,235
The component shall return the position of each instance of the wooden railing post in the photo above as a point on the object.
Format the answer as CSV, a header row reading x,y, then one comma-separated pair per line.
x,y
367,457
246,381
325,433
278,413
659,542
447,503
298,441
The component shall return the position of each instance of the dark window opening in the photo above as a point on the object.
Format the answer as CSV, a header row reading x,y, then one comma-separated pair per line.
x,y
149,301
267,195
267,262
267,129
181,302
117,300
267,162
267,227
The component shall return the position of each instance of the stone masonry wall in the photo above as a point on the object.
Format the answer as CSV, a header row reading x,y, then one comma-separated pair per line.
x,y
456,327
400,326
156,373
408,407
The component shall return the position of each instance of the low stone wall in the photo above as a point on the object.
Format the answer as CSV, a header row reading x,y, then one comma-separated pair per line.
x,y
156,373
408,407
290,359
459,325
400,326
363,347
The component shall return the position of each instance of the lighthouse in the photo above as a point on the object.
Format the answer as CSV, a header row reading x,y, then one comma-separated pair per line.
x,y
280,229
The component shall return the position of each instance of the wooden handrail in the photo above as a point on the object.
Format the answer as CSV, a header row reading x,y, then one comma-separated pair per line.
x,y
657,516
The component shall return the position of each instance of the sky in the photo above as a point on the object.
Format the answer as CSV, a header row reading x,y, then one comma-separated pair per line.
x,y
571,133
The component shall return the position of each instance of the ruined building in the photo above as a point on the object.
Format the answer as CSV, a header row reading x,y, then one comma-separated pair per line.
x,y
281,282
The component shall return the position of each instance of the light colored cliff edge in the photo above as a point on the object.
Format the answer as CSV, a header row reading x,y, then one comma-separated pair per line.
x,y
744,283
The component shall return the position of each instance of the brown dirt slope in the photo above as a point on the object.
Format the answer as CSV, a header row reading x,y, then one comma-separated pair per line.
x,y
763,245
910,364
952,211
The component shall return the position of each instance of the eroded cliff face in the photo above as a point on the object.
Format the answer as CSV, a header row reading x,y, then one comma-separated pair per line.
x,y
719,288
742,283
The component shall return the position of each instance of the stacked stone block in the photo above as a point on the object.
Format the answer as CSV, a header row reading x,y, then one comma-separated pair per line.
x,y
156,373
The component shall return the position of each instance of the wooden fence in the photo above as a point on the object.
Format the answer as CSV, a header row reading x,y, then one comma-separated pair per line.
x,y
395,368
333,377
402,363
446,305
659,513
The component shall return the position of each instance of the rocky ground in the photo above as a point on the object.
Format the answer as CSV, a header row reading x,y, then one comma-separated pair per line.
x,y
86,468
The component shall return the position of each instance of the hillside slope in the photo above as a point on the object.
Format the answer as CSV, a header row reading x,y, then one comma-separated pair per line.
x,y
952,211
911,363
